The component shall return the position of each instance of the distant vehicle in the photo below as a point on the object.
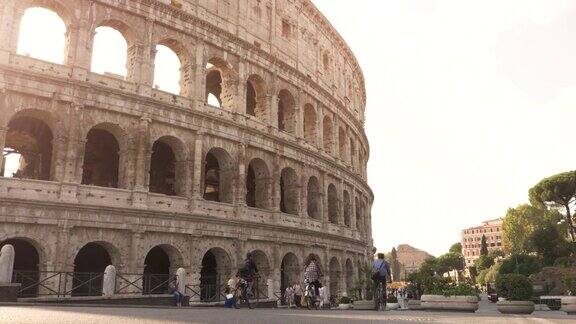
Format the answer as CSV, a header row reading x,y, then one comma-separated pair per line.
x,y
491,291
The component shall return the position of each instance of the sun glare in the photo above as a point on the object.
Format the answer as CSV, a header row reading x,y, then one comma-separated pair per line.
x,y
42,35
109,52
167,70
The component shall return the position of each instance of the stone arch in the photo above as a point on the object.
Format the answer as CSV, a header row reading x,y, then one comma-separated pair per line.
x,y
219,173
342,143
258,186
62,15
130,39
349,277
290,271
310,122
184,72
102,156
347,208
168,167
29,258
333,208
264,270
317,258
256,103
286,112
328,136
359,217
89,264
314,198
289,192
216,270
28,147
220,83
160,262
335,273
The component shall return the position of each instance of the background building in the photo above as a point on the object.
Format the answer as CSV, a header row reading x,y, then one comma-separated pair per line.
x,y
472,239
261,150
409,260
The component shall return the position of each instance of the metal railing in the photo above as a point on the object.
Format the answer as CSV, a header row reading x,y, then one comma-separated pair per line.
x,y
145,284
59,284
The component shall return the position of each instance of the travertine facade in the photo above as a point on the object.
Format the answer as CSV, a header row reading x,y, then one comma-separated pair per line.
x,y
118,172
410,259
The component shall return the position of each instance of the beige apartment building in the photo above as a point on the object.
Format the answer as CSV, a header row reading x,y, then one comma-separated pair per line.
x,y
472,239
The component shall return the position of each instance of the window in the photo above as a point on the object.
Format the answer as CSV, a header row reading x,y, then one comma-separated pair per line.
x,y
286,29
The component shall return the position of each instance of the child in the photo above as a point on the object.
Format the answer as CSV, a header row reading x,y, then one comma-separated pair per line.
x,y
230,300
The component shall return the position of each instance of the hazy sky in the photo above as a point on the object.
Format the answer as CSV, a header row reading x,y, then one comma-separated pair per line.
x,y
470,103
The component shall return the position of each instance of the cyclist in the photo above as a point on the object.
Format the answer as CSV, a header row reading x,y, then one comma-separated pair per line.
x,y
313,274
380,274
248,271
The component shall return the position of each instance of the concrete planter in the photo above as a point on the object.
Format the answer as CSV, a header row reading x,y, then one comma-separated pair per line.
x,y
344,306
414,304
569,305
364,305
392,306
515,307
450,303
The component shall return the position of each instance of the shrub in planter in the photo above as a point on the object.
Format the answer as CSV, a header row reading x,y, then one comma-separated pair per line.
x,y
345,300
517,290
461,297
392,299
569,302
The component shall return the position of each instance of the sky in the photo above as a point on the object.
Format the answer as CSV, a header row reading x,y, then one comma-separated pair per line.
x,y
470,103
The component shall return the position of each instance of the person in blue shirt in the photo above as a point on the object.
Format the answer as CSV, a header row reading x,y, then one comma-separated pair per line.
x,y
380,274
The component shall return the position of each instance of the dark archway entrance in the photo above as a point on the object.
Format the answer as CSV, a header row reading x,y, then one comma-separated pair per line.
x,y
209,277
101,159
289,271
162,169
26,266
156,271
89,266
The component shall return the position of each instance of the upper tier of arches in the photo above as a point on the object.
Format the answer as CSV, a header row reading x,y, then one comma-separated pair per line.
x,y
220,79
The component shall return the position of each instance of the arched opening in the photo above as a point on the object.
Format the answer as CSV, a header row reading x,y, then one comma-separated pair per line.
x,y
218,176
216,270
352,154
156,271
342,143
219,84
289,193
310,124
258,185
289,271
101,159
286,112
47,43
335,272
347,208
167,70
256,98
264,269
328,136
349,277
28,149
314,198
26,266
89,266
332,204
166,169
359,218
110,51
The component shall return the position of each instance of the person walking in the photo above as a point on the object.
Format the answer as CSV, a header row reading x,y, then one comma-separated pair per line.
x,y
298,295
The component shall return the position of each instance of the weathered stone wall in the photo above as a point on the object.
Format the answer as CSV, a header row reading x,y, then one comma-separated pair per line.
x,y
288,45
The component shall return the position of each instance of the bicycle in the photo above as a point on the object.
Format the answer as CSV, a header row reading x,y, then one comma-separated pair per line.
x,y
380,297
310,295
243,292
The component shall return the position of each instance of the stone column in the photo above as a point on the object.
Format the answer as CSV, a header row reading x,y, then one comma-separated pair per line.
x,y
341,203
72,152
273,117
10,17
299,118
3,132
199,75
80,44
304,193
241,183
353,211
277,174
198,167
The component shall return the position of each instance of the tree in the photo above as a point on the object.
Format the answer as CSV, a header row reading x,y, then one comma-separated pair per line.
x,y
518,226
521,263
559,192
449,261
484,262
456,248
483,246
548,241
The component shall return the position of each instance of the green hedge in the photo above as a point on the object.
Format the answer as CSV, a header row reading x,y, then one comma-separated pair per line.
x,y
514,287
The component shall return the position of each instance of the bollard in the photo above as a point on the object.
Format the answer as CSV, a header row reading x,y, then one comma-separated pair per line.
x,y
181,280
109,282
6,264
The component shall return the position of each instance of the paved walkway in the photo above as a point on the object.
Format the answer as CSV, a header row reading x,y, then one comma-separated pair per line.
x,y
63,315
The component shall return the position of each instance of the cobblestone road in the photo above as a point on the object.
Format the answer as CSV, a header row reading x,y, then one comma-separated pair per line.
x,y
62,315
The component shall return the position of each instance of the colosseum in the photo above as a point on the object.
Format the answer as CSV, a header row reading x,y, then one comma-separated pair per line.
x,y
112,170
